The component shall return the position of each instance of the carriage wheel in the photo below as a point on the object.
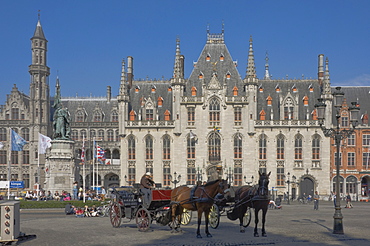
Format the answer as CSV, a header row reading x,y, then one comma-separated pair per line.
x,y
214,216
143,219
247,217
186,216
115,215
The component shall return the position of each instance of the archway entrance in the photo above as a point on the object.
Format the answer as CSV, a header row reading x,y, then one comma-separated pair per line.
x,y
365,186
306,187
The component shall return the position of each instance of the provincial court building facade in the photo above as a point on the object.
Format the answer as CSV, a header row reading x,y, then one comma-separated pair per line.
x,y
217,121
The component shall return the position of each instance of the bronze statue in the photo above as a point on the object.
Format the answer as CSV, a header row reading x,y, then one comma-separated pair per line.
x,y
61,118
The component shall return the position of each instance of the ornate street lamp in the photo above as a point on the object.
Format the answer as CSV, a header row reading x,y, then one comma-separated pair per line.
x,y
248,183
338,135
176,180
127,181
288,182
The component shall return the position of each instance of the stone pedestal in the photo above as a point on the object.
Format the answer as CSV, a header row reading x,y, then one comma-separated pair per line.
x,y
59,167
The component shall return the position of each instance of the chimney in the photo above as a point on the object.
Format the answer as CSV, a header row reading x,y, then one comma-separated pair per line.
x,y
321,70
130,70
109,93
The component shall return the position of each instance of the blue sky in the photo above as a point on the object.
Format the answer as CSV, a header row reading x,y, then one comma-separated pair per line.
x,y
88,39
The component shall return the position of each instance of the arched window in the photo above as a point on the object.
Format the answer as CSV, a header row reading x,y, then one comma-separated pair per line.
x,y
114,116
262,147
3,134
108,154
298,147
101,135
316,147
74,135
214,112
115,154
238,150
117,136
80,116
214,147
110,135
15,113
131,148
97,116
149,148
25,132
166,147
280,147
190,147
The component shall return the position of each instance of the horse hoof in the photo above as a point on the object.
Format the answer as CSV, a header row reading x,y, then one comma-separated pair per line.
x,y
199,236
256,235
209,235
264,235
242,231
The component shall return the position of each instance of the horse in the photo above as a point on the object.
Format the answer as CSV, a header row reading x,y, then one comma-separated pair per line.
x,y
254,197
200,199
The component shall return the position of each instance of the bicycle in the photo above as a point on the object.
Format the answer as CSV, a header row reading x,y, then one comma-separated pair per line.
x,y
103,211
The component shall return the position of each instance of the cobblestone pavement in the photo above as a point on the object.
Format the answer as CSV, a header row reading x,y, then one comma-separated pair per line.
x,y
294,224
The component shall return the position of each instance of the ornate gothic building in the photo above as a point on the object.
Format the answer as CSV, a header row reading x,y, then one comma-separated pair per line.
x,y
216,122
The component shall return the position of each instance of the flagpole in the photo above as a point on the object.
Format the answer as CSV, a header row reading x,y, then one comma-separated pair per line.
x,y
9,160
93,174
38,175
83,170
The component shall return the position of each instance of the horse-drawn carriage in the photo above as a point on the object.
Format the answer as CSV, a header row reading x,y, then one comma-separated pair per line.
x,y
224,206
127,203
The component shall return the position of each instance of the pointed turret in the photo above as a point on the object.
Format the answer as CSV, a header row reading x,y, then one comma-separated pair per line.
x,y
39,33
267,73
178,71
327,86
251,69
123,85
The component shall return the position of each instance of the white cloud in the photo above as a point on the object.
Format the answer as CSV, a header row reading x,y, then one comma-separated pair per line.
x,y
361,80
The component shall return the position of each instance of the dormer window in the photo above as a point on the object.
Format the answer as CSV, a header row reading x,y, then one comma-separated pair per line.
x,y
260,89
262,115
235,91
160,101
169,89
228,75
154,89
221,57
193,91
269,100
294,88
305,101
132,115
137,88
167,115
277,89
310,88
200,76
208,58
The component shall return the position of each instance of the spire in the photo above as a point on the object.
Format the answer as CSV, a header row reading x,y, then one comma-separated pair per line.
x,y
122,87
267,73
57,97
39,33
327,88
177,71
251,69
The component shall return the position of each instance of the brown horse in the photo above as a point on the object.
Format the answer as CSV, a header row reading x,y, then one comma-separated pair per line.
x,y
254,197
201,199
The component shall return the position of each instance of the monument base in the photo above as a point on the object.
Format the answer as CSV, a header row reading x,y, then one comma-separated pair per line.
x,y
59,167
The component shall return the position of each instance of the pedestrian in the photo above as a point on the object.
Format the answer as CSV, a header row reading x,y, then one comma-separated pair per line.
x,y
316,199
75,190
349,201
335,200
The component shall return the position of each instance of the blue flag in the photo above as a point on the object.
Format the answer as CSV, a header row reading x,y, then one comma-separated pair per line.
x,y
17,142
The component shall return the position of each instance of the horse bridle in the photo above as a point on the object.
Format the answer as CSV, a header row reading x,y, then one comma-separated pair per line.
x,y
263,189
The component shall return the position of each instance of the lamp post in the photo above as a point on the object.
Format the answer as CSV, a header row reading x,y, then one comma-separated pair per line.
x,y
176,180
294,178
288,182
248,183
337,135
127,181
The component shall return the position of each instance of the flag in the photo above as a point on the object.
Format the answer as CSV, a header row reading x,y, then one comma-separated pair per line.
x,y
1,145
100,154
17,142
44,143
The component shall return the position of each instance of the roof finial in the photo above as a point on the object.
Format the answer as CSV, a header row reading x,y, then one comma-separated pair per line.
x,y
267,73
39,14
251,69
223,26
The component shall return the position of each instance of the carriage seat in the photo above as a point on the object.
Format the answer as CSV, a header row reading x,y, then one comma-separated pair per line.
x,y
129,198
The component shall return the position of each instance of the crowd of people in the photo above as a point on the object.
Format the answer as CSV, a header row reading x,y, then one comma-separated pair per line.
x,y
42,195
80,212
